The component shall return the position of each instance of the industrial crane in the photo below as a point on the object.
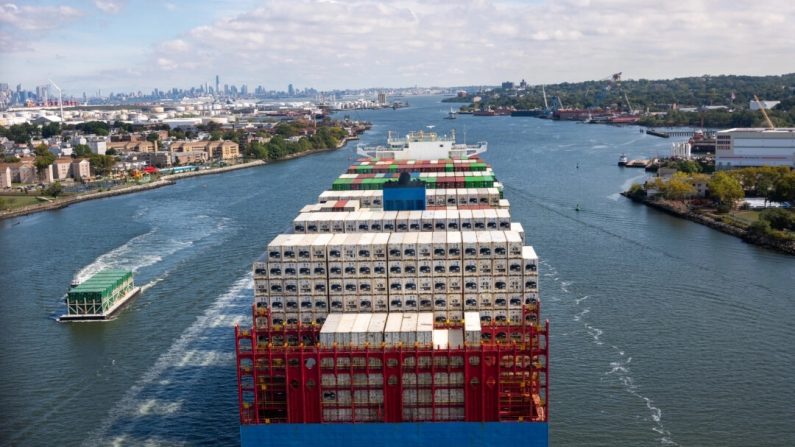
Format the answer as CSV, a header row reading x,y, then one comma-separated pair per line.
x,y
764,113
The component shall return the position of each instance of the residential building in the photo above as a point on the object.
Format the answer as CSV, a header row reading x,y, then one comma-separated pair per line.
x,y
743,147
81,168
216,150
62,168
190,157
132,146
160,159
5,175
98,145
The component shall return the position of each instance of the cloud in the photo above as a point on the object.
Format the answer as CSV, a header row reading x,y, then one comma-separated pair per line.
x,y
361,43
9,44
402,43
36,18
109,6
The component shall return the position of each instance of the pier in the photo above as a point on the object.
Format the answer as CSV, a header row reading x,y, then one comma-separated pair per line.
x,y
671,133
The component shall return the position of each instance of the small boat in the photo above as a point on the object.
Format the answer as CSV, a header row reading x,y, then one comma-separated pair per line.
x,y
98,298
622,160
451,115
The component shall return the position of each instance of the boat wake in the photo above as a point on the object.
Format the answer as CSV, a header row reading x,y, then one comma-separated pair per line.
x,y
619,368
156,393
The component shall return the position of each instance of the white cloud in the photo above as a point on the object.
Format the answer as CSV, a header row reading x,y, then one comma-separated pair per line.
x,y
36,18
358,43
109,6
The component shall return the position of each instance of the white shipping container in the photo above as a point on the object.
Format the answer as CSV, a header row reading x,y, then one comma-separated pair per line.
x,y
375,331
359,329
514,244
381,303
425,302
455,338
343,333
380,245
472,328
465,220
408,329
440,338
491,219
414,220
394,323
329,329
454,245
395,247
469,243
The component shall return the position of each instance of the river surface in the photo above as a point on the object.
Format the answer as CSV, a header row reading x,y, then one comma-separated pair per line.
x,y
664,332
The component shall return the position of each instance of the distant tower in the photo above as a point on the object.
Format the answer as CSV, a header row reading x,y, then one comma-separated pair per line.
x,y
290,90
217,84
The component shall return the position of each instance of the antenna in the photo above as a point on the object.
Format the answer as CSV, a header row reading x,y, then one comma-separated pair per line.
x,y
60,99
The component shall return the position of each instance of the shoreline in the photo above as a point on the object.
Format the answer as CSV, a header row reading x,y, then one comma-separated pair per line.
x,y
785,247
163,181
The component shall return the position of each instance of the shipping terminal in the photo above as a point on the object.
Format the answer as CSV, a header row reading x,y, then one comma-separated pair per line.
x,y
401,309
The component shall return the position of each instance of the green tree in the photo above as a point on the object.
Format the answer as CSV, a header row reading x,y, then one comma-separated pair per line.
x,y
784,188
678,188
102,164
44,157
780,219
636,191
54,189
80,151
726,189
50,130
10,159
152,137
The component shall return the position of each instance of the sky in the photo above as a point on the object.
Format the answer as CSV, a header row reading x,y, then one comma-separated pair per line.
x,y
131,45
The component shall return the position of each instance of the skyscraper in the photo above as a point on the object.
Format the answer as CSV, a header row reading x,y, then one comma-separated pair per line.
x,y
217,84
290,90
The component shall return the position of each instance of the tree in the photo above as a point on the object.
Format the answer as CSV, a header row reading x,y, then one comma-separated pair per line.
x,y
678,187
152,137
54,189
636,191
784,188
725,189
102,164
779,219
44,157
81,150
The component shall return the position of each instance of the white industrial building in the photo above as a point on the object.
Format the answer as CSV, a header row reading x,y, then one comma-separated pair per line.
x,y
739,148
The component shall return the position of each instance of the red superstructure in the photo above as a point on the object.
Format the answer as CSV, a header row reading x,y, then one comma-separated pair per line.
x,y
286,376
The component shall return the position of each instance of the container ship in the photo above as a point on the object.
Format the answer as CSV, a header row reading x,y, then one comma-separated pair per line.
x,y
400,309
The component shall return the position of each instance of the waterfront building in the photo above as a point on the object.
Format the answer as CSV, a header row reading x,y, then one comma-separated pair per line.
x,y
61,168
132,146
218,150
81,169
5,175
744,147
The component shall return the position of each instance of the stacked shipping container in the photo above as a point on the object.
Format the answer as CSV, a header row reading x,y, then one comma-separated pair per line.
x,y
366,315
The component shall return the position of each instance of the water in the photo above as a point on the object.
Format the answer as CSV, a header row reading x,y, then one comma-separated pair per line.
x,y
664,332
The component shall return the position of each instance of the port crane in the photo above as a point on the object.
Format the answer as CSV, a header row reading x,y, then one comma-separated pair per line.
x,y
764,113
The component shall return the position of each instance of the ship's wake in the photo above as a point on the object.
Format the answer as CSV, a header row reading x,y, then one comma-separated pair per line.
x,y
620,368
161,392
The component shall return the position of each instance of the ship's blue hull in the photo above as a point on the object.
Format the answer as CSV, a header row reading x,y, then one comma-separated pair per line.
x,y
431,434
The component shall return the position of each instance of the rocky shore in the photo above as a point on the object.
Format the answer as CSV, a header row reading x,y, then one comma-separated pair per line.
x,y
680,210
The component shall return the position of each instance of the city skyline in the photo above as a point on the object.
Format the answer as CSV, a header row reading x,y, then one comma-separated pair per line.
x,y
122,46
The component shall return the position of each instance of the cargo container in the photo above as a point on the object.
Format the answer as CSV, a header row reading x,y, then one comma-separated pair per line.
x,y
101,296
398,327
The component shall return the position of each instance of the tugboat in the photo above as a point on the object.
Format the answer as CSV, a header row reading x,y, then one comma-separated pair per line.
x,y
622,160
